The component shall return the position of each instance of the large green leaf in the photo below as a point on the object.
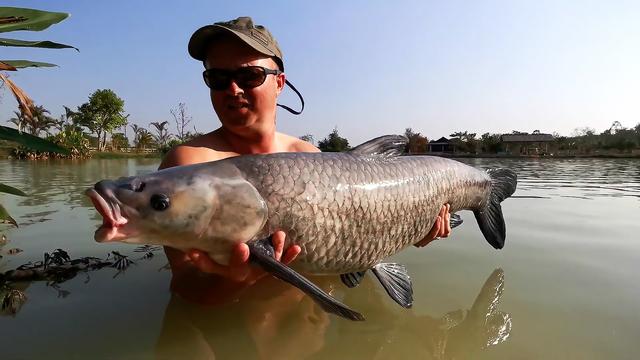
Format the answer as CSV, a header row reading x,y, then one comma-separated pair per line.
x,y
19,64
13,19
37,44
30,141
11,190
5,217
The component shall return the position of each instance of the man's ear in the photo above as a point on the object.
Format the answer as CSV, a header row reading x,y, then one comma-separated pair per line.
x,y
280,82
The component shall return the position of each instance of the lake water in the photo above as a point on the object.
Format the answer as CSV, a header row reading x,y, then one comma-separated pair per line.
x,y
564,287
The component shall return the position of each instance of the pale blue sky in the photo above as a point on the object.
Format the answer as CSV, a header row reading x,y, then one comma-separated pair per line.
x,y
367,67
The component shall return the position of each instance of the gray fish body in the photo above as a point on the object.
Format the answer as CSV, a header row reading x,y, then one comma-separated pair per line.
x,y
348,212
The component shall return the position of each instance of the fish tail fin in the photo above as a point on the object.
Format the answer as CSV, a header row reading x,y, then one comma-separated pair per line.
x,y
490,220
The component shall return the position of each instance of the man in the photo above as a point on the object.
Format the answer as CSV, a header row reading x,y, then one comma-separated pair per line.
x,y
245,74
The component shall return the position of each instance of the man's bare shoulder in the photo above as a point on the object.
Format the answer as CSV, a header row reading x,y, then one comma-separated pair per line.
x,y
294,144
201,149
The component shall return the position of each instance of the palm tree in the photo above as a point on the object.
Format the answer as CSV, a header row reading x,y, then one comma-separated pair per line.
x,y
163,136
144,139
37,122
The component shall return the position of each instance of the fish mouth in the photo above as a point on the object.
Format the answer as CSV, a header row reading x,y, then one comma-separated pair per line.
x,y
114,222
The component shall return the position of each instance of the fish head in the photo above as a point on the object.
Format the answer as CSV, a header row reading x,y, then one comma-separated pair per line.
x,y
205,206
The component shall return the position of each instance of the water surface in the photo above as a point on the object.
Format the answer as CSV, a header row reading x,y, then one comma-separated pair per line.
x,y
564,286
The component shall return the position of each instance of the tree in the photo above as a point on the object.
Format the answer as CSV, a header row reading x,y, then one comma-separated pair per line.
x,y
417,143
163,136
102,114
465,141
308,138
38,121
182,120
119,141
143,139
490,143
334,142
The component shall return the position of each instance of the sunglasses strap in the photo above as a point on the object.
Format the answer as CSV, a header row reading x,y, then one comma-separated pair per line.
x,y
294,112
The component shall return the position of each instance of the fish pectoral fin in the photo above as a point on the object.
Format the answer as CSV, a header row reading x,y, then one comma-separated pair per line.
x,y
353,279
456,220
261,253
396,282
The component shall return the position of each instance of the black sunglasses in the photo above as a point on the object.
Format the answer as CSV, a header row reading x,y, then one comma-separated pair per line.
x,y
246,77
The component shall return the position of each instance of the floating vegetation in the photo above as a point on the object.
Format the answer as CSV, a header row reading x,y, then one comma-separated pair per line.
x,y
55,268
14,251
147,248
13,301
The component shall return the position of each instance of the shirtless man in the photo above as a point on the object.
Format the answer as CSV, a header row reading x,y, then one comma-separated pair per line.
x,y
244,71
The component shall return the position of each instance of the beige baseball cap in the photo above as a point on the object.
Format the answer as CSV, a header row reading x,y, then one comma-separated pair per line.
x,y
256,36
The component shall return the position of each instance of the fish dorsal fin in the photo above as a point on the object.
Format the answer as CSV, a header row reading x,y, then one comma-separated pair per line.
x,y
386,146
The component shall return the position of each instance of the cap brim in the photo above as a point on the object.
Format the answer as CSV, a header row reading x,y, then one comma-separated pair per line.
x,y
200,40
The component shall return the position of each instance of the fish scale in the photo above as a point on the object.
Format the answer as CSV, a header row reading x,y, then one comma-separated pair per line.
x,y
356,210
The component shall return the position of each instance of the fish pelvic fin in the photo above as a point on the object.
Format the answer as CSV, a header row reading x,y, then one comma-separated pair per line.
x,y
396,282
387,146
455,220
353,279
261,253
490,219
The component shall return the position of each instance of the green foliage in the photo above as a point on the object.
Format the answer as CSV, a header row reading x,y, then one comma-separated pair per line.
x,y
11,190
102,114
491,143
5,217
119,141
15,19
170,145
30,141
417,143
465,141
20,64
38,121
162,130
73,139
333,143
308,138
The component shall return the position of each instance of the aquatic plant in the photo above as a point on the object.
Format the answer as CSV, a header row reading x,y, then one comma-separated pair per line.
x,y
57,267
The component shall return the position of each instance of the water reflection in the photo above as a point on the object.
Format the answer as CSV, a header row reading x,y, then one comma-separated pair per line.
x,y
275,321
583,178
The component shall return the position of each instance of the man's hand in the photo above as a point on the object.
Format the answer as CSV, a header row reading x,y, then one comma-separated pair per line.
x,y
441,228
239,268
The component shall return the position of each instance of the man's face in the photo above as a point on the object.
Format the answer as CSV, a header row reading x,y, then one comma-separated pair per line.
x,y
239,108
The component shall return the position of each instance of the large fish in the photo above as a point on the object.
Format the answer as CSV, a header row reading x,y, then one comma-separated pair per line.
x,y
347,211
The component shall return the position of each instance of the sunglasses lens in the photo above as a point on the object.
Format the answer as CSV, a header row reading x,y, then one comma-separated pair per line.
x,y
250,77
245,77
217,79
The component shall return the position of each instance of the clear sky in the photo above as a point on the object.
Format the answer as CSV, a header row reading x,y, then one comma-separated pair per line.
x,y
367,67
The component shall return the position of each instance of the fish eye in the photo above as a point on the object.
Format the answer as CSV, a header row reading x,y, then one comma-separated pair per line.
x,y
160,202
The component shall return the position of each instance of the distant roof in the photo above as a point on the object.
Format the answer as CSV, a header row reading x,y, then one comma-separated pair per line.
x,y
442,140
526,137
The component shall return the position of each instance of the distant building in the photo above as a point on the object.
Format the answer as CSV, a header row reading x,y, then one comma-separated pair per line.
x,y
527,144
443,145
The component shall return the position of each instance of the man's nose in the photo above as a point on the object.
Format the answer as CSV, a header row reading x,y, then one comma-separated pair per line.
x,y
233,88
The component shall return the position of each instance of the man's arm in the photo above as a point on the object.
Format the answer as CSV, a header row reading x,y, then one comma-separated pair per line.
x,y
198,278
